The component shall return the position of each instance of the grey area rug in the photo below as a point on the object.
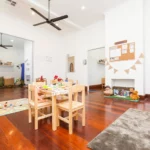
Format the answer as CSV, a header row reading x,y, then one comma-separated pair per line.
x,y
131,131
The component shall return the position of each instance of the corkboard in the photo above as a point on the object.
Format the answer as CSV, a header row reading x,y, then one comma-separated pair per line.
x,y
122,52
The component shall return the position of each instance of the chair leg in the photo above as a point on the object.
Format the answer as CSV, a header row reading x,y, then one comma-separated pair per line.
x,y
70,122
76,117
36,119
30,114
49,109
83,116
58,114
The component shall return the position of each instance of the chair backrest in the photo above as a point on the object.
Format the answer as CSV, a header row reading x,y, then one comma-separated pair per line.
x,y
39,80
39,83
31,93
72,81
53,81
67,84
74,90
102,80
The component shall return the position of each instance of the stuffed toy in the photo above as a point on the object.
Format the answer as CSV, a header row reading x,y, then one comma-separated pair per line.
x,y
108,91
57,79
60,79
134,95
131,90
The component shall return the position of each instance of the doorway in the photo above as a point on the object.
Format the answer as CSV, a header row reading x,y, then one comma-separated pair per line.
x,y
96,68
16,63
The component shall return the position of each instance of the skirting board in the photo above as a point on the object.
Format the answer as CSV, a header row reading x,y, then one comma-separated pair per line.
x,y
143,97
98,86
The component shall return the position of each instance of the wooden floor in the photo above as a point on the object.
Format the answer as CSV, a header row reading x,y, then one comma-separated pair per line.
x,y
100,113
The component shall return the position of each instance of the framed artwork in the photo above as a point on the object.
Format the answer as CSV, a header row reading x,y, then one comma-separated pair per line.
x,y
71,64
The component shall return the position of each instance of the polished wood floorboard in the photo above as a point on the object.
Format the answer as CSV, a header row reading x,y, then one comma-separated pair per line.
x,y
12,93
11,138
100,113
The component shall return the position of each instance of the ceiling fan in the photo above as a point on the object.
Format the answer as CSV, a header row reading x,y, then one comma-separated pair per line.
x,y
48,20
4,46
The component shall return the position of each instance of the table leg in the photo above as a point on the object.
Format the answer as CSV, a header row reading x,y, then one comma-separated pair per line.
x,y
54,119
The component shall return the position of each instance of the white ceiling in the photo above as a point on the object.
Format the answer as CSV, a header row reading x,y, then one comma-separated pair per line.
x,y
78,19
93,12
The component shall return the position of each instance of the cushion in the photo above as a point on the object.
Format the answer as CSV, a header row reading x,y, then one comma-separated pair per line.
x,y
1,81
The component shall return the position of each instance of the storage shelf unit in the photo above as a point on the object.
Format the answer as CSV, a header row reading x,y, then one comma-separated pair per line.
x,y
101,63
6,65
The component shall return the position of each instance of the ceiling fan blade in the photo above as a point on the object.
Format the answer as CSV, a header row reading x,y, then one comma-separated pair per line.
x,y
8,45
59,18
51,23
40,23
38,13
3,46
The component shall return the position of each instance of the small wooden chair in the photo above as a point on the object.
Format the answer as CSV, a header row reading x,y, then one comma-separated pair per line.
x,y
72,107
39,80
53,81
67,84
41,84
35,106
61,98
70,80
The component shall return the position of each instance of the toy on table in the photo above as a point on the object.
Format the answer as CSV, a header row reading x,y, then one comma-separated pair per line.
x,y
41,78
57,80
134,94
45,86
55,77
11,105
66,80
60,79
108,91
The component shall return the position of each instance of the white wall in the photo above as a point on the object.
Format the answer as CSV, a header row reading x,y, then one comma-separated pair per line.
x,y
78,43
46,43
125,22
28,57
147,44
15,55
95,71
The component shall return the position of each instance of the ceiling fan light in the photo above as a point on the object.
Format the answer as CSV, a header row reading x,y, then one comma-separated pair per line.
x,y
33,13
83,7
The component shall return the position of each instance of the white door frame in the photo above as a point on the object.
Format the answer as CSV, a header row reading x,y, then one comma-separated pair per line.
x,y
88,65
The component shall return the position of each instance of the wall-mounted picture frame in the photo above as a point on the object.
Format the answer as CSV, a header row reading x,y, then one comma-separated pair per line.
x,y
71,64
